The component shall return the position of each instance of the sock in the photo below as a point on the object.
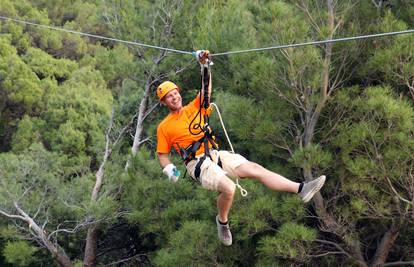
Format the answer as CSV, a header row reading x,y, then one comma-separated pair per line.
x,y
300,188
222,223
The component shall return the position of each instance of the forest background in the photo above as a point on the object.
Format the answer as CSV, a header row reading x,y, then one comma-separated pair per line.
x,y
80,183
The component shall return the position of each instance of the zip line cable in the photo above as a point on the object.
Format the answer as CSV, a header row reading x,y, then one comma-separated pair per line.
x,y
316,42
96,36
345,39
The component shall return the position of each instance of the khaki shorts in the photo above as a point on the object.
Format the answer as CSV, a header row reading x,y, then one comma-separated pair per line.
x,y
211,173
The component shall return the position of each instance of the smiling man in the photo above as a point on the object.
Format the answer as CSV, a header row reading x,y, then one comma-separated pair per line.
x,y
216,171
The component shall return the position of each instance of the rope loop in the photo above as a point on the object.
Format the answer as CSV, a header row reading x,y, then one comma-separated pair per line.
x,y
243,191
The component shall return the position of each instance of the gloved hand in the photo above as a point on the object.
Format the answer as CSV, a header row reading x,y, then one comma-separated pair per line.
x,y
172,172
203,56
200,53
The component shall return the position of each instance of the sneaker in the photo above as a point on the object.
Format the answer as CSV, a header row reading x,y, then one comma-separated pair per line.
x,y
310,188
224,233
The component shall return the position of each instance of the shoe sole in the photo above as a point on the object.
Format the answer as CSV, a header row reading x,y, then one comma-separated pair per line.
x,y
319,185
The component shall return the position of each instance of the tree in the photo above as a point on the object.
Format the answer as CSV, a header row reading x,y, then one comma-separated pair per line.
x,y
307,80
392,59
19,253
29,194
302,82
65,107
149,73
376,146
339,109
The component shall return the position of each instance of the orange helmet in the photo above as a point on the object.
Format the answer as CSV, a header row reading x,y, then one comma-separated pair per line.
x,y
164,88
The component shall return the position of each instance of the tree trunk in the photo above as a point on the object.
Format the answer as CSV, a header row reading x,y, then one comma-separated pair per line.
x,y
91,247
57,252
312,117
141,115
140,121
387,241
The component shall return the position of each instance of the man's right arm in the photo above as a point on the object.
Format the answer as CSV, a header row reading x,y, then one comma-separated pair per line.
x,y
163,159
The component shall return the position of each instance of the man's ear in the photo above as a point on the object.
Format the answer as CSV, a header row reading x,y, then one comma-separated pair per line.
x,y
162,103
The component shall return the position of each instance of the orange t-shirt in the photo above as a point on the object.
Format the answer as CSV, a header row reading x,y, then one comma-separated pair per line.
x,y
173,130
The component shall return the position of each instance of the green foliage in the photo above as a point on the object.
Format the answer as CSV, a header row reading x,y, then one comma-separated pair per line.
x,y
7,231
294,66
57,90
19,253
130,93
157,205
398,115
375,144
291,242
358,205
20,84
76,118
35,175
69,140
391,60
33,180
194,244
75,45
45,65
27,133
252,129
311,156
40,37
114,64
222,26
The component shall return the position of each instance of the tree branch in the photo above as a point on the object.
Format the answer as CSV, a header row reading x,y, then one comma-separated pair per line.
x,y
396,193
12,216
40,234
337,246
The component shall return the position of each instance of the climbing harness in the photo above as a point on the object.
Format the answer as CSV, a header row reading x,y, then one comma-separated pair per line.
x,y
202,126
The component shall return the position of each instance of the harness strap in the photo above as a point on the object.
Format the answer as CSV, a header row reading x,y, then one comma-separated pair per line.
x,y
189,153
194,147
197,170
219,162
206,148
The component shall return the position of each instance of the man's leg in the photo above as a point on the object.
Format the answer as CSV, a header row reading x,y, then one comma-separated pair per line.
x,y
226,188
275,181
271,179
214,178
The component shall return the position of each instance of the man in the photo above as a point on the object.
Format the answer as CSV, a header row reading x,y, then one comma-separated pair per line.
x,y
213,172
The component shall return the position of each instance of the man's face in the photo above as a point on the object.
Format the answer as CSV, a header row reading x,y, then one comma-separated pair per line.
x,y
173,100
